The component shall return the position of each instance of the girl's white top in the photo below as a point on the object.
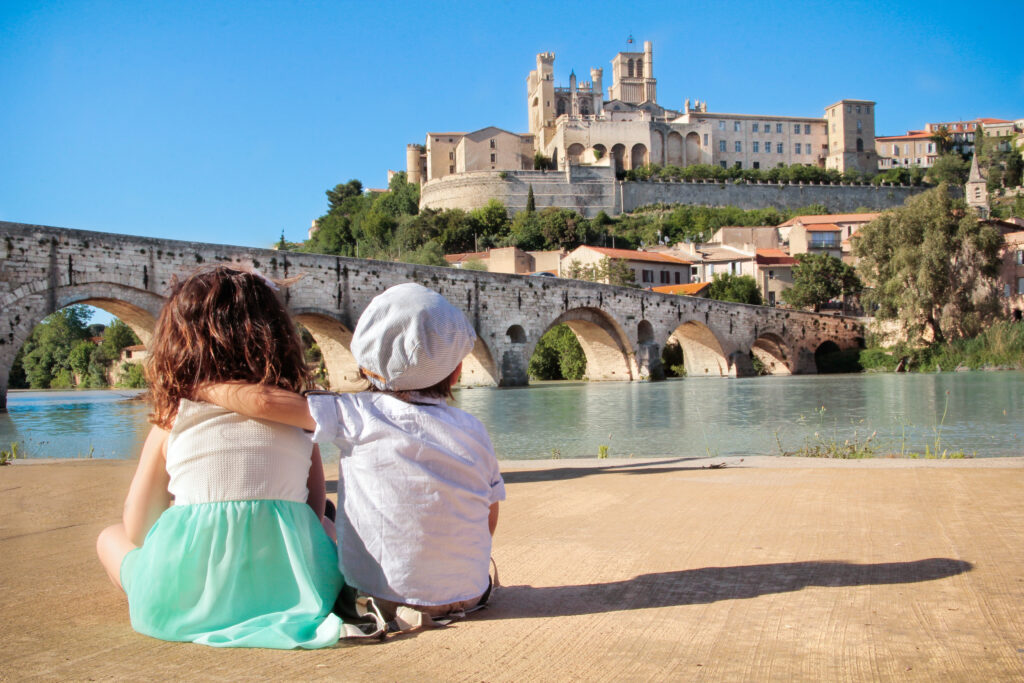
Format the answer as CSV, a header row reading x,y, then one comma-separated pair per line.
x,y
214,455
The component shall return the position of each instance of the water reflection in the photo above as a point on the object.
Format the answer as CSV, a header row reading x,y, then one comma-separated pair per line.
x,y
680,418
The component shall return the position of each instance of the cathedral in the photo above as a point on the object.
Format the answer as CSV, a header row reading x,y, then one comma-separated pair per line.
x,y
578,126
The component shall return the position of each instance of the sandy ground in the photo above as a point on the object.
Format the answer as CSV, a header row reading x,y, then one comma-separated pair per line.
x,y
765,569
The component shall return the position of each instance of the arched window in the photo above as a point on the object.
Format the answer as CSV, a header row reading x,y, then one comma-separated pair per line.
x,y
860,145
561,107
630,72
639,69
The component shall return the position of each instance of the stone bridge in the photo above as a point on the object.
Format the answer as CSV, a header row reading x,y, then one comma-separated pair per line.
x,y
622,330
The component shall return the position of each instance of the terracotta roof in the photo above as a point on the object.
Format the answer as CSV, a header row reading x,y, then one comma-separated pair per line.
x,y
135,347
822,227
831,218
631,255
689,289
468,256
911,135
983,121
774,257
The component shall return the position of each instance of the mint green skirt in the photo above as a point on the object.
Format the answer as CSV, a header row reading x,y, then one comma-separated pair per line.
x,y
251,573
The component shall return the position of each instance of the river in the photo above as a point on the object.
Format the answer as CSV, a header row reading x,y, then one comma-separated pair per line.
x,y
976,413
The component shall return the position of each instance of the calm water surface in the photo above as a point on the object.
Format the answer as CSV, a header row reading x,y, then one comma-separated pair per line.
x,y
978,413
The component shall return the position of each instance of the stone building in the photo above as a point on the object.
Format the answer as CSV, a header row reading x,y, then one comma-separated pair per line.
x,y
916,148
649,268
577,125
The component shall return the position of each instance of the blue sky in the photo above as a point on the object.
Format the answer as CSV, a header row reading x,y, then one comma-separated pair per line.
x,y
227,121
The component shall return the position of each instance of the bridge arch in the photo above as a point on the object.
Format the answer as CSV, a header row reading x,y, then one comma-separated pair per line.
x,y
479,368
335,342
702,352
604,342
773,353
28,305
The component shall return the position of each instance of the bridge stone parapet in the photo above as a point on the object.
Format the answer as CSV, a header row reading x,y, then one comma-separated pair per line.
x,y
622,330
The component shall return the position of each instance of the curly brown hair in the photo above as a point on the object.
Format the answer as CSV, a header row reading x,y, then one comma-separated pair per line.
x,y
222,323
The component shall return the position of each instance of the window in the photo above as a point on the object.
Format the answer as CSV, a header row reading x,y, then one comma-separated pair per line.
x,y
858,108
860,127
492,144
823,240
757,146
767,147
757,164
737,126
771,298
808,146
753,127
679,277
807,129
860,145
796,128
738,145
1019,257
849,109
723,164
778,127
833,127
867,109
778,148
771,274
1020,285
666,277
693,273
451,169
721,145
647,275
895,149
451,156
705,139
797,148
492,158
767,127
721,125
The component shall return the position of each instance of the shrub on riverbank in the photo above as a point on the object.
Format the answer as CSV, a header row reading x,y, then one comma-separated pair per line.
x,y
1000,346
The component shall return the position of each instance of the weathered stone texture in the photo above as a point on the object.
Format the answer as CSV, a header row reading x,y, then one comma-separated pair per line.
x,y
45,269
592,190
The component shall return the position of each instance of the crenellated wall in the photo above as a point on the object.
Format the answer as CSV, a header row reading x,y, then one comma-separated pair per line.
x,y
622,330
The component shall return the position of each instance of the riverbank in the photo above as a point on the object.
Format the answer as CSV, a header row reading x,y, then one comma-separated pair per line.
x,y
764,568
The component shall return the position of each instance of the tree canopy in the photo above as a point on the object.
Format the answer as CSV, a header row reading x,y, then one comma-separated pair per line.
x,y
741,289
819,278
932,265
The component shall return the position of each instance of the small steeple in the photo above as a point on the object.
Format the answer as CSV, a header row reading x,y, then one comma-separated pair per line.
x,y
975,171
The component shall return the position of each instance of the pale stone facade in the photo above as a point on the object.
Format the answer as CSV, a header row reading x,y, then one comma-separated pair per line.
x,y
916,148
649,268
510,260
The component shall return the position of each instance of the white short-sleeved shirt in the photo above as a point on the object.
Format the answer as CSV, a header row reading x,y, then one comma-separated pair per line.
x,y
416,482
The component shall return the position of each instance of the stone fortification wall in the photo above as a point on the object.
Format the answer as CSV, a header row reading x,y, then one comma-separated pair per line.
x,y
591,190
837,198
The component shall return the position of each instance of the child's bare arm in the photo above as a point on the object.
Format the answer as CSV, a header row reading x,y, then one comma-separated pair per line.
x,y
492,518
260,401
148,495
315,484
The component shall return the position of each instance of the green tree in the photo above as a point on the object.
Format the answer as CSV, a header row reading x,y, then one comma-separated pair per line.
x,y
932,265
558,356
1014,165
45,356
819,278
741,289
337,197
531,203
610,271
116,337
429,254
943,139
949,168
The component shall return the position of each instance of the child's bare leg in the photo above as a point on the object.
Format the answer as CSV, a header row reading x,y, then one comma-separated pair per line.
x,y
111,546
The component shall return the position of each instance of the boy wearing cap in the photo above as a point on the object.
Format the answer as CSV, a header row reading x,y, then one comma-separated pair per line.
x,y
419,483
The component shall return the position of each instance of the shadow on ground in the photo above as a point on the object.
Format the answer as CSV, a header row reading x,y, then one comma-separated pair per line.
x,y
639,467
709,584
